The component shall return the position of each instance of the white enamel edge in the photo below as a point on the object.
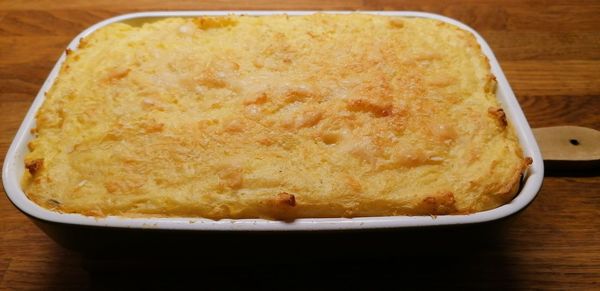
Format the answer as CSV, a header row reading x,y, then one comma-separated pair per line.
x,y
13,164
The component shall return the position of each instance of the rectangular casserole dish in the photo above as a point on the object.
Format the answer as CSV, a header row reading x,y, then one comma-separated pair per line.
x,y
13,165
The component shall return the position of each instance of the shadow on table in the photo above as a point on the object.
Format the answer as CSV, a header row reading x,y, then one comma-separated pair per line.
x,y
449,258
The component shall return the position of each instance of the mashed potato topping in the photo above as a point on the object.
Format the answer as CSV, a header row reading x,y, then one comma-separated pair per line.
x,y
276,117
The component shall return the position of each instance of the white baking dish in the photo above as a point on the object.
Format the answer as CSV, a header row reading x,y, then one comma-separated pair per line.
x,y
14,168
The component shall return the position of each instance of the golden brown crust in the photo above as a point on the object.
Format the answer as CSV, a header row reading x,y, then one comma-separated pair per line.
x,y
226,117
286,199
442,203
499,114
33,166
379,110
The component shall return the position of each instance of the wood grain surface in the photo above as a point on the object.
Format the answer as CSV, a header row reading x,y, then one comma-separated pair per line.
x,y
549,50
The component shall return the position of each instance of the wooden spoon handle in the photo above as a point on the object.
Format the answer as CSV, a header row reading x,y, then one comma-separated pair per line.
x,y
569,146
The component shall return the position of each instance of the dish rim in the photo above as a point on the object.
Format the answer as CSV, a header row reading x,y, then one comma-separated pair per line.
x,y
13,163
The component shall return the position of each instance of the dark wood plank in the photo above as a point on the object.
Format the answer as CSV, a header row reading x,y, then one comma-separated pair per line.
x,y
542,111
545,78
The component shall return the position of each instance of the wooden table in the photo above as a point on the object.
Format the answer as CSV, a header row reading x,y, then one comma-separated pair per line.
x,y
549,50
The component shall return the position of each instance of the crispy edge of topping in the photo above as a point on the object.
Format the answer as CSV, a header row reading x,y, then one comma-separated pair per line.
x,y
34,165
443,203
285,198
498,113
